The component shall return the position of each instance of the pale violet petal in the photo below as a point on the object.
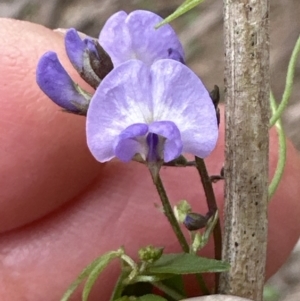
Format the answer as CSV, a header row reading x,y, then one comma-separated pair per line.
x,y
180,96
121,100
133,36
56,83
175,55
129,144
115,38
150,44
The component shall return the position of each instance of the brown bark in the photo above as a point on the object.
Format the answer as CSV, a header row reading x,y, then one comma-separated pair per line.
x,y
246,168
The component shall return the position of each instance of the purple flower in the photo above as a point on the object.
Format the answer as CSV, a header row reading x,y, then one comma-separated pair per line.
x,y
133,36
56,83
156,111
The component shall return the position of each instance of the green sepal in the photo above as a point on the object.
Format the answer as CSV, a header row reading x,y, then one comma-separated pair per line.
x,y
182,9
181,210
185,263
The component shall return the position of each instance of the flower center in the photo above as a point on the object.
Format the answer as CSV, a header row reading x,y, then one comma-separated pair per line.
x,y
155,147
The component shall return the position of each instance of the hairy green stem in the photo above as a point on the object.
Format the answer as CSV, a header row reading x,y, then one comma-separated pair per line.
x,y
281,151
173,221
169,211
212,207
288,84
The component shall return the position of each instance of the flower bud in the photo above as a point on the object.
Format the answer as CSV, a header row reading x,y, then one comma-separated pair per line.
x,y
56,83
150,254
195,221
88,57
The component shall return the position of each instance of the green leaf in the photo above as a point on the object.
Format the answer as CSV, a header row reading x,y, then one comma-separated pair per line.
x,y
84,274
186,264
175,283
102,263
182,9
151,298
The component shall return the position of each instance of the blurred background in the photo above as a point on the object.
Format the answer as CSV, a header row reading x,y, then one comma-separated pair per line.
x,y
200,31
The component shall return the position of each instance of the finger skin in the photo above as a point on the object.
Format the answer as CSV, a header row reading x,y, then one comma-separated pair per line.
x,y
43,155
40,260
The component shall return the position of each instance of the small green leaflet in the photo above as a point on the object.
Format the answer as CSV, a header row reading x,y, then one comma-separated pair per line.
x,y
186,264
93,276
89,270
182,9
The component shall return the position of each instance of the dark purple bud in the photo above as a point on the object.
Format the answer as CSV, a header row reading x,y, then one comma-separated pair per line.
x,y
195,221
90,44
78,53
175,55
56,83
100,60
88,57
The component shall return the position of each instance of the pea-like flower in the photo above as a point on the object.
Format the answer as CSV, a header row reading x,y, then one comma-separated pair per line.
x,y
157,112
133,36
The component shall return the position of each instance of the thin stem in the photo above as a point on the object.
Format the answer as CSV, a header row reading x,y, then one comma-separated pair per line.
x,y
169,211
288,84
281,151
173,221
212,207
202,284
187,164
169,291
